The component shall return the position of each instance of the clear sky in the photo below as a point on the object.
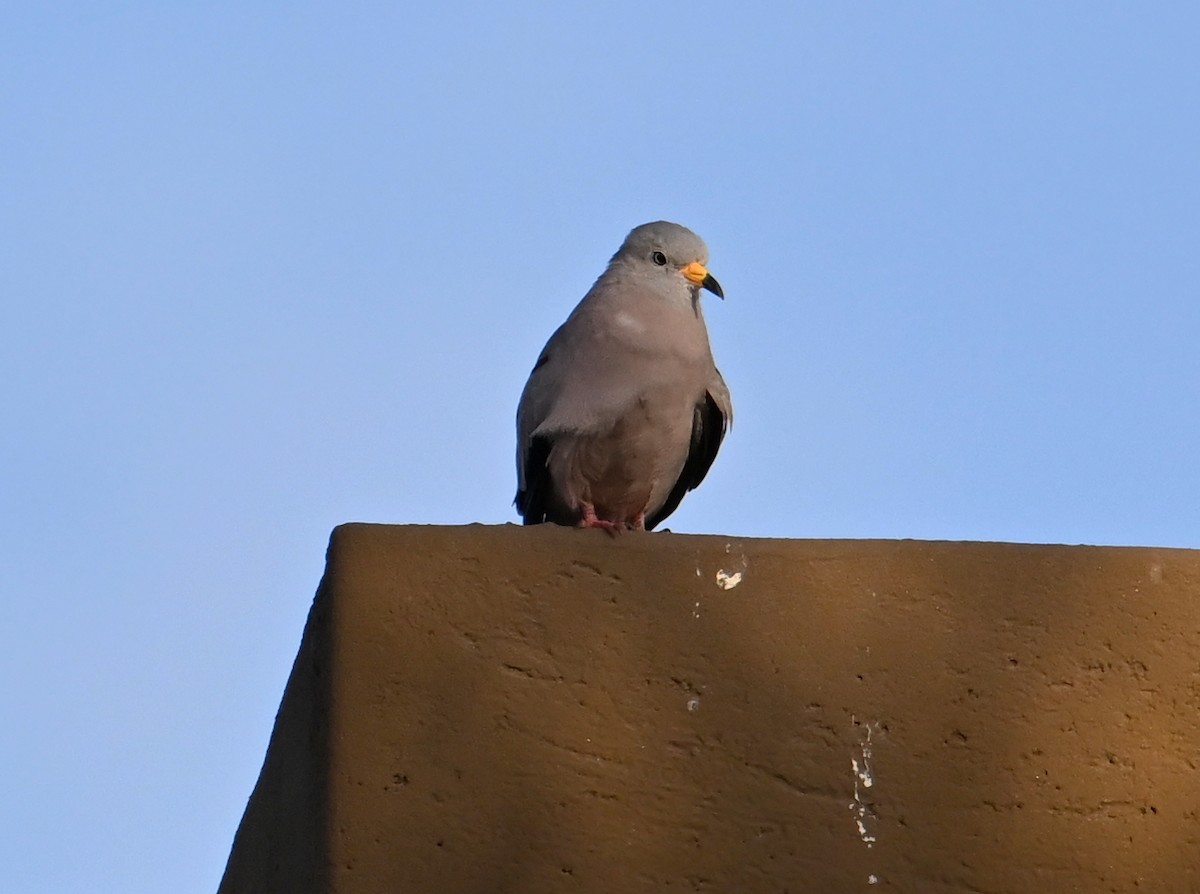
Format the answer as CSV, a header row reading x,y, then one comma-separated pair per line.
x,y
271,267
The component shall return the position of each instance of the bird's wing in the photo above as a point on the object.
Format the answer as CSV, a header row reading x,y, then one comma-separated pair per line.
x,y
581,383
534,488
712,416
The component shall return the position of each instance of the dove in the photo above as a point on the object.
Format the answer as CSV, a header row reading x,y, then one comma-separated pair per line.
x,y
625,409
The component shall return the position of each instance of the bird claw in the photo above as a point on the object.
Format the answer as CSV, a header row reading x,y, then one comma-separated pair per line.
x,y
589,519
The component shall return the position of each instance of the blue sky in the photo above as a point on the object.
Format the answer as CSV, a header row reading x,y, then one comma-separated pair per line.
x,y
272,267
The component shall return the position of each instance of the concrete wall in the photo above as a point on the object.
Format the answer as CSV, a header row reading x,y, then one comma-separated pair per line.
x,y
499,709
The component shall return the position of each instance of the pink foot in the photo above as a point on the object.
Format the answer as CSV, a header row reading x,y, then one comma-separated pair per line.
x,y
589,519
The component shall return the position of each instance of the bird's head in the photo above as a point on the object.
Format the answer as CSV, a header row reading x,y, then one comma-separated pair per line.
x,y
669,252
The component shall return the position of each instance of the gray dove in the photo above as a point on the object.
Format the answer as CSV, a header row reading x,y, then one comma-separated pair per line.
x,y
625,410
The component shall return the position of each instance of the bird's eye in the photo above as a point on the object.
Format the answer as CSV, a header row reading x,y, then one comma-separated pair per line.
x,y
659,258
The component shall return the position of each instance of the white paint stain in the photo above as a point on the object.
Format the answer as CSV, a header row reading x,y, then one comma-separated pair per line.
x,y
731,576
864,778
727,581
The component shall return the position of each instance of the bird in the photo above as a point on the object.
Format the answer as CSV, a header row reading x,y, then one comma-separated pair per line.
x,y
625,409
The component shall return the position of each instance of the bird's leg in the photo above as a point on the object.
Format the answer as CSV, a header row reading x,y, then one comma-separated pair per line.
x,y
591,520
639,521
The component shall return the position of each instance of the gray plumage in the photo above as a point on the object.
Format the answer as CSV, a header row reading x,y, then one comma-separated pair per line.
x,y
625,410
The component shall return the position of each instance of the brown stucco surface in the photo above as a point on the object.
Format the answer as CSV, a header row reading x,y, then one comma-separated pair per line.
x,y
503,709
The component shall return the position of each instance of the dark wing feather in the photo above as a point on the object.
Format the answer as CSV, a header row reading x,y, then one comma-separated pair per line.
x,y
534,498
533,478
708,430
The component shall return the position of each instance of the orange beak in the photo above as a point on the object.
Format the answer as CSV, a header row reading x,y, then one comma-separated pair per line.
x,y
698,274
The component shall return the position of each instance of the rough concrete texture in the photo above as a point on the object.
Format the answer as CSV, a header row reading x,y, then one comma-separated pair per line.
x,y
504,709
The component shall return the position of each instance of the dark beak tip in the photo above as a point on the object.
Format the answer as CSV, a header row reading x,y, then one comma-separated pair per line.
x,y
710,283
